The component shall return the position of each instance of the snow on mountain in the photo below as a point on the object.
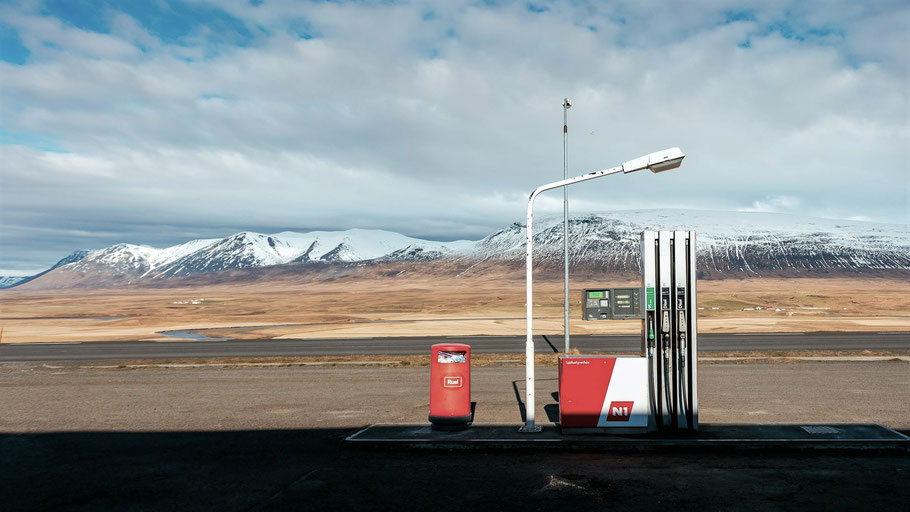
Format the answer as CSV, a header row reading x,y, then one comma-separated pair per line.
x,y
726,241
136,259
160,257
73,257
248,249
242,250
8,281
366,244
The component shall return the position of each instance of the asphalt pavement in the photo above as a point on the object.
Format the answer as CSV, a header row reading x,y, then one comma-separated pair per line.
x,y
181,348
82,437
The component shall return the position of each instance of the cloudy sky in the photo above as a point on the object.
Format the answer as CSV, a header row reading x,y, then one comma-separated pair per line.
x,y
157,122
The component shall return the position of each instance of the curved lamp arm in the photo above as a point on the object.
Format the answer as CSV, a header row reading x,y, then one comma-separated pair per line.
x,y
655,162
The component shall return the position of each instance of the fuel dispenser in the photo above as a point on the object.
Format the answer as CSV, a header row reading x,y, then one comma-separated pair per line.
x,y
669,331
659,390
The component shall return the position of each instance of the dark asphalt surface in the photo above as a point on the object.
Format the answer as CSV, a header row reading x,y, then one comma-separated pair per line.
x,y
241,439
310,470
399,346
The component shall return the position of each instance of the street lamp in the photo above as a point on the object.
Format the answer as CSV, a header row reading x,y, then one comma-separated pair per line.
x,y
659,161
566,105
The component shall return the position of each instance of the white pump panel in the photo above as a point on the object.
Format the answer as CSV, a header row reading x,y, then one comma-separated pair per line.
x,y
669,335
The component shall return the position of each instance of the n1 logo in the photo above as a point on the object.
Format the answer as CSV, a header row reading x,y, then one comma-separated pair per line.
x,y
451,382
619,411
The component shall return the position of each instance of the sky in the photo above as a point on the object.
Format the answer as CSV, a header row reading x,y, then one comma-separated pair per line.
x,y
161,121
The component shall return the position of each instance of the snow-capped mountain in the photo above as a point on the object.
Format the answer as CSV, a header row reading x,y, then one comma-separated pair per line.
x,y
10,281
728,243
136,259
247,249
747,242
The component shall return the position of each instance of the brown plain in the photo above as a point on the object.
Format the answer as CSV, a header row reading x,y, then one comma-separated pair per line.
x,y
357,305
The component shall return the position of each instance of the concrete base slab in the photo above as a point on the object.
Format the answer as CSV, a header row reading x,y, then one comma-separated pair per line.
x,y
736,437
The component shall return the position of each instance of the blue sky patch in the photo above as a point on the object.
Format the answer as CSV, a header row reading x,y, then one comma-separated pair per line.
x,y
804,33
734,16
82,14
302,28
11,48
172,21
39,142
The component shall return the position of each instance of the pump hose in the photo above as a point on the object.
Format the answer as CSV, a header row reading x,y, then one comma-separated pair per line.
x,y
652,391
652,384
667,374
684,382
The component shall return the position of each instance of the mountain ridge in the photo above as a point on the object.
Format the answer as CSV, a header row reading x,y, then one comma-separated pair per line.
x,y
750,243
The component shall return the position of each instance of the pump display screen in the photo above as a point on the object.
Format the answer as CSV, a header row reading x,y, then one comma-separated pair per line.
x,y
625,304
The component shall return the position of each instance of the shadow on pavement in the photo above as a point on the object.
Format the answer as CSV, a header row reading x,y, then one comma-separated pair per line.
x,y
552,346
522,411
310,470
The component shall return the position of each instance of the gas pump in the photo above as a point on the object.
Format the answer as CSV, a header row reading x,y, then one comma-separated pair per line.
x,y
669,331
659,390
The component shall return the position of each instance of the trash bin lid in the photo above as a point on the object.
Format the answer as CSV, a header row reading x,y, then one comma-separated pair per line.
x,y
451,347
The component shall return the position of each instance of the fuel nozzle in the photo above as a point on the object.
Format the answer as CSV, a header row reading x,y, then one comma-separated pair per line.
x,y
665,333
682,349
681,327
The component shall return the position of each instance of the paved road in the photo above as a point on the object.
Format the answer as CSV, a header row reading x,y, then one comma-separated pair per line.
x,y
398,346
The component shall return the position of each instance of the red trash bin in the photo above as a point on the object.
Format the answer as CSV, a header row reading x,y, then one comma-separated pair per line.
x,y
450,384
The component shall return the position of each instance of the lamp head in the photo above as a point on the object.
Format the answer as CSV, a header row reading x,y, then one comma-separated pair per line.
x,y
665,160
656,162
567,103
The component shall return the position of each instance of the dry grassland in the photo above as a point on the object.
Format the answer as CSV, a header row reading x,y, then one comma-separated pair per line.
x,y
423,305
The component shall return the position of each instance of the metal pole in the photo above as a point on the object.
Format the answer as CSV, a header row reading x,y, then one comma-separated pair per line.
x,y
565,214
529,425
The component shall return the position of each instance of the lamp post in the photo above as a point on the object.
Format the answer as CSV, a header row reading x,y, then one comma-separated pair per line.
x,y
659,161
566,105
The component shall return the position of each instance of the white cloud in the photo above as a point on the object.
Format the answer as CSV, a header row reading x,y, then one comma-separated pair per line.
x,y
442,126
774,204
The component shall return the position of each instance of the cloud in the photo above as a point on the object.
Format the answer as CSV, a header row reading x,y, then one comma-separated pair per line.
x,y
438,120
774,204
